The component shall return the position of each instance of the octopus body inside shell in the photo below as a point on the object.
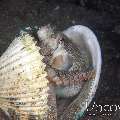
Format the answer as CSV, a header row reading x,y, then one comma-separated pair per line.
x,y
67,67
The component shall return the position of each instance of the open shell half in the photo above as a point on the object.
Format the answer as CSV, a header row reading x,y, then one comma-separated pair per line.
x,y
25,92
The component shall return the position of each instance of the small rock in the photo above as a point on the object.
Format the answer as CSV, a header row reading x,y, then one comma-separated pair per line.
x,y
73,21
117,29
57,7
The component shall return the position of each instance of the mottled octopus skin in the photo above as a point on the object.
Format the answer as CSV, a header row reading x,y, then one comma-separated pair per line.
x,y
72,82
66,80
80,60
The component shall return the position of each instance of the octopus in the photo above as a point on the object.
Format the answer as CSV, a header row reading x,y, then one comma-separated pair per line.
x,y
64,64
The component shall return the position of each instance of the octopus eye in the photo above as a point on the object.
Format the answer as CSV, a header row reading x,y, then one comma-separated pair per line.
x,y
60,41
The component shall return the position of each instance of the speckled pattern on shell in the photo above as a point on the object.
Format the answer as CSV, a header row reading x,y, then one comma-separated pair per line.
x,y
25,92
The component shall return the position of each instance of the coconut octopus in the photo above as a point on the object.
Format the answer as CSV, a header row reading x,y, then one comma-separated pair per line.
x,y
64,62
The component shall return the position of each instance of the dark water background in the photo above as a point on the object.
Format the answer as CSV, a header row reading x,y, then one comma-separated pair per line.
x,y
17,14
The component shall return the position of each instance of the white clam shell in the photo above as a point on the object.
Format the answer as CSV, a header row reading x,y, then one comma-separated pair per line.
x,y
23,84
86,40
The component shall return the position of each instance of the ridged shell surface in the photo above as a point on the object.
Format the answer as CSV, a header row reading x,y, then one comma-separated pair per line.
x,y
25,92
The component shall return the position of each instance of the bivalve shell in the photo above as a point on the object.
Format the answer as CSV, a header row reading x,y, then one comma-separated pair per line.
x,y
25,92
